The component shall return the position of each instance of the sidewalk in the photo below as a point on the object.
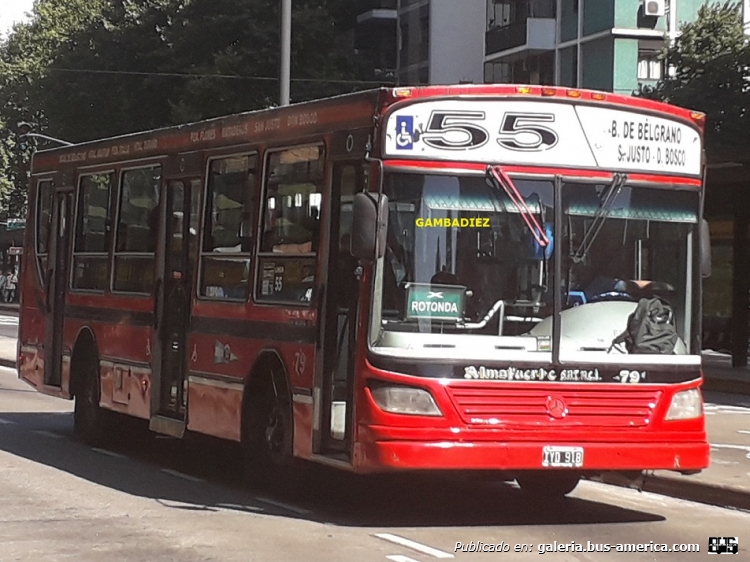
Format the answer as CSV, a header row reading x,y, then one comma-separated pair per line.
x,y
725,483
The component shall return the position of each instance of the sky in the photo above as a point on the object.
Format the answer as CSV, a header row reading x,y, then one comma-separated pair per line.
x,y
12,11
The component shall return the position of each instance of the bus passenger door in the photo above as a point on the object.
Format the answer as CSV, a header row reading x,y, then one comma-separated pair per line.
x,y
56,277
173,304
340,315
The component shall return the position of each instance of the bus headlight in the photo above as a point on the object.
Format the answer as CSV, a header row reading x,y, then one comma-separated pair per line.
x,y
686,405
405,400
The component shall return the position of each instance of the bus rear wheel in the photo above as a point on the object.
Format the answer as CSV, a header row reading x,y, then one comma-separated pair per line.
x,y
548,484
89,417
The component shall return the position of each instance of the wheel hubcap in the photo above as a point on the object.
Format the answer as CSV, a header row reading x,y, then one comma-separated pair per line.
x,y
275,433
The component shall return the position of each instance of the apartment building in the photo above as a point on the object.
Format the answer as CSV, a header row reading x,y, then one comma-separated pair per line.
x,y
434,41
610,45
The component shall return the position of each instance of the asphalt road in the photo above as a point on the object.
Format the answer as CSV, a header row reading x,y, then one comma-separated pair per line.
x,y
151,498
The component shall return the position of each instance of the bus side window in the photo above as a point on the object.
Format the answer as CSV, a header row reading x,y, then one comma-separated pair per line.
x,y
92,236
229,227
43,224
137,230
291,224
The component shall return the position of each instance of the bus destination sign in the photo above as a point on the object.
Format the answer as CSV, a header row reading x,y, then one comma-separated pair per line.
x,y
435,302
544,134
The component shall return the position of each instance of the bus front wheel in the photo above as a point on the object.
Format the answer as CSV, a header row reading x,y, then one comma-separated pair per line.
x,y
548,484
267,444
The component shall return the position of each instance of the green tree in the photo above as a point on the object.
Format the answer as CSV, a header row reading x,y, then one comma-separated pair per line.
x,y
710,69
84,69
25,57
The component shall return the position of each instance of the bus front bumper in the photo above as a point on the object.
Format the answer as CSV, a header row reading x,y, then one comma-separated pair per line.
x,y
386,455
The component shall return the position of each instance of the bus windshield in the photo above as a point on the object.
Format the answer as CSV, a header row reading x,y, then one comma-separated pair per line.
x,y
640,247
464,274
461,260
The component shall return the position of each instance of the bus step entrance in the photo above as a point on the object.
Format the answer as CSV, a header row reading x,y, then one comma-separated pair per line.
x,y
167,426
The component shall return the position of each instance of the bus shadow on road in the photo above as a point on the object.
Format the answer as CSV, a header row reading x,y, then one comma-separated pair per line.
x,y
205,475
434,501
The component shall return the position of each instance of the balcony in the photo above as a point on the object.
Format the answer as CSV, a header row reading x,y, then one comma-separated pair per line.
x,y
370,10
376,27
532,34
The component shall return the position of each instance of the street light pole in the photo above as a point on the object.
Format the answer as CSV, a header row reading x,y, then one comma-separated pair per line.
x,y
45,137
24,129
286,50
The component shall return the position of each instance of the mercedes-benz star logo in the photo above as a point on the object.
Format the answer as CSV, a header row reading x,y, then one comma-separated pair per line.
x,y
556,407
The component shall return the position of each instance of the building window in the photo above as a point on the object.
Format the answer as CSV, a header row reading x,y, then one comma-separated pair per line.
x,y
91,248
137,229
501,13
230,227
649,65
424,38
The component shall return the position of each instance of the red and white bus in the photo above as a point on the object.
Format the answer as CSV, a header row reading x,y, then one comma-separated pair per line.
x,y
417,278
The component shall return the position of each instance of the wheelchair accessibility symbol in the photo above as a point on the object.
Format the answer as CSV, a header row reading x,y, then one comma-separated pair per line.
x,y
405,133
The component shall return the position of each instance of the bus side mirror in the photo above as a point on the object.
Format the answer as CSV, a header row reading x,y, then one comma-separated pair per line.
x,y
705,249
369,222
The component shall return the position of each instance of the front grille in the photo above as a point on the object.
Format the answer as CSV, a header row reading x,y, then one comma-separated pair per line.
x,y
488,405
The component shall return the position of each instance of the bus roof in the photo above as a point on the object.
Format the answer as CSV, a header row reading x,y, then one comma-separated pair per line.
x,y
297,121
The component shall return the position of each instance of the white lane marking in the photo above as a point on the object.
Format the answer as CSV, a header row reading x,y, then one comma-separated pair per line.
x,y
400,558
282,505
181,475
108,453
745,431
725,446
736,447
3,421
726,463
712,409
419,547
48,433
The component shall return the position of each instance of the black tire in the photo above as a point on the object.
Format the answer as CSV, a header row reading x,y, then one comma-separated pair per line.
x,y
267,444
549,485
89,418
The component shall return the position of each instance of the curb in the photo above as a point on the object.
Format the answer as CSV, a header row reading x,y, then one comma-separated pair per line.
x,y
700,492
9,309
729,386
9,363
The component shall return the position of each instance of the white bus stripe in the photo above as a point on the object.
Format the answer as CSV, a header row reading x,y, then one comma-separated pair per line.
x,y
419,547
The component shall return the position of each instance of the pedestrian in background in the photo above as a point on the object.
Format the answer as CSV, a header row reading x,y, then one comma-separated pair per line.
x,y
10,286
3,287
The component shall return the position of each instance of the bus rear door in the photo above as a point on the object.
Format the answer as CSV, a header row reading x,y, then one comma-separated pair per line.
x,y
176,256
56,277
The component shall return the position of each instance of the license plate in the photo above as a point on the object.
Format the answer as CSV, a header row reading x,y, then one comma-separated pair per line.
x,y
562,457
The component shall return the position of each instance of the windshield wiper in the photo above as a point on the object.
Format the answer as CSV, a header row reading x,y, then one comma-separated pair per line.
x,y
605,208
503,180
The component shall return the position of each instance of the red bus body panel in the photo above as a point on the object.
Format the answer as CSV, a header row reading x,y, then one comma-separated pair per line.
x,y
509,431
